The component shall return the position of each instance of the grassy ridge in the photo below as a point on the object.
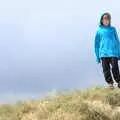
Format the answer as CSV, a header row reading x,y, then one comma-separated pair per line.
x,y
92,104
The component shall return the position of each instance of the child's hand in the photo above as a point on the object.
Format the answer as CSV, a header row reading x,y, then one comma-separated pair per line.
x,y
97,61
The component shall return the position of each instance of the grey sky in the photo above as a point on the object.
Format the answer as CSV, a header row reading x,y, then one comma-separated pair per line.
x,y
47,45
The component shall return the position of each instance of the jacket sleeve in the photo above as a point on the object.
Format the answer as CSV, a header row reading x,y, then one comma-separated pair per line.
x,y
96,46
118,42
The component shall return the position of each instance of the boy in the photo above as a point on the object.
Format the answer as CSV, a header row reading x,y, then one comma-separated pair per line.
x,y
107,50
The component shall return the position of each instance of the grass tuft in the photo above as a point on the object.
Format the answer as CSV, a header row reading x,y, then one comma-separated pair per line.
x,y
95,103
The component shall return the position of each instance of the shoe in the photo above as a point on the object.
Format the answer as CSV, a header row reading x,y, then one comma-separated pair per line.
x,y
110,85
118,84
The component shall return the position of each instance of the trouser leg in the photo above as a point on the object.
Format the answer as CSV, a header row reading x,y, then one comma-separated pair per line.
x,y
106,69
115,69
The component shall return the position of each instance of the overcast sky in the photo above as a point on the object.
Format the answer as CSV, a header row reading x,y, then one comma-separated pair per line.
x,y
48,45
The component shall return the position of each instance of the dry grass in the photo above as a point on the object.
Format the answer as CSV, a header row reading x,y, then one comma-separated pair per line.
x,y
91,104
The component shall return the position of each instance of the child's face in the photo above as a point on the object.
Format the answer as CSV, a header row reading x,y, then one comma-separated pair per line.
x,y
106,20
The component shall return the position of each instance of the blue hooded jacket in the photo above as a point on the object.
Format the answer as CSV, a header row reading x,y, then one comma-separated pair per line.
x,y
107,43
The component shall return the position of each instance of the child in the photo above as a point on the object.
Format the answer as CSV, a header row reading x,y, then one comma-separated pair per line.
x,y
107,50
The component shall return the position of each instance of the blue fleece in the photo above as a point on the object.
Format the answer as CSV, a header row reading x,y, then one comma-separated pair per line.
x,y
107,43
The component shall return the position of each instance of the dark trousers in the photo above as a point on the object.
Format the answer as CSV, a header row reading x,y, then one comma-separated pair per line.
x,y
113,69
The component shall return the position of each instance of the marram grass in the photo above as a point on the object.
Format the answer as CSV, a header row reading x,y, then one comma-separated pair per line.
x,y
96,103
